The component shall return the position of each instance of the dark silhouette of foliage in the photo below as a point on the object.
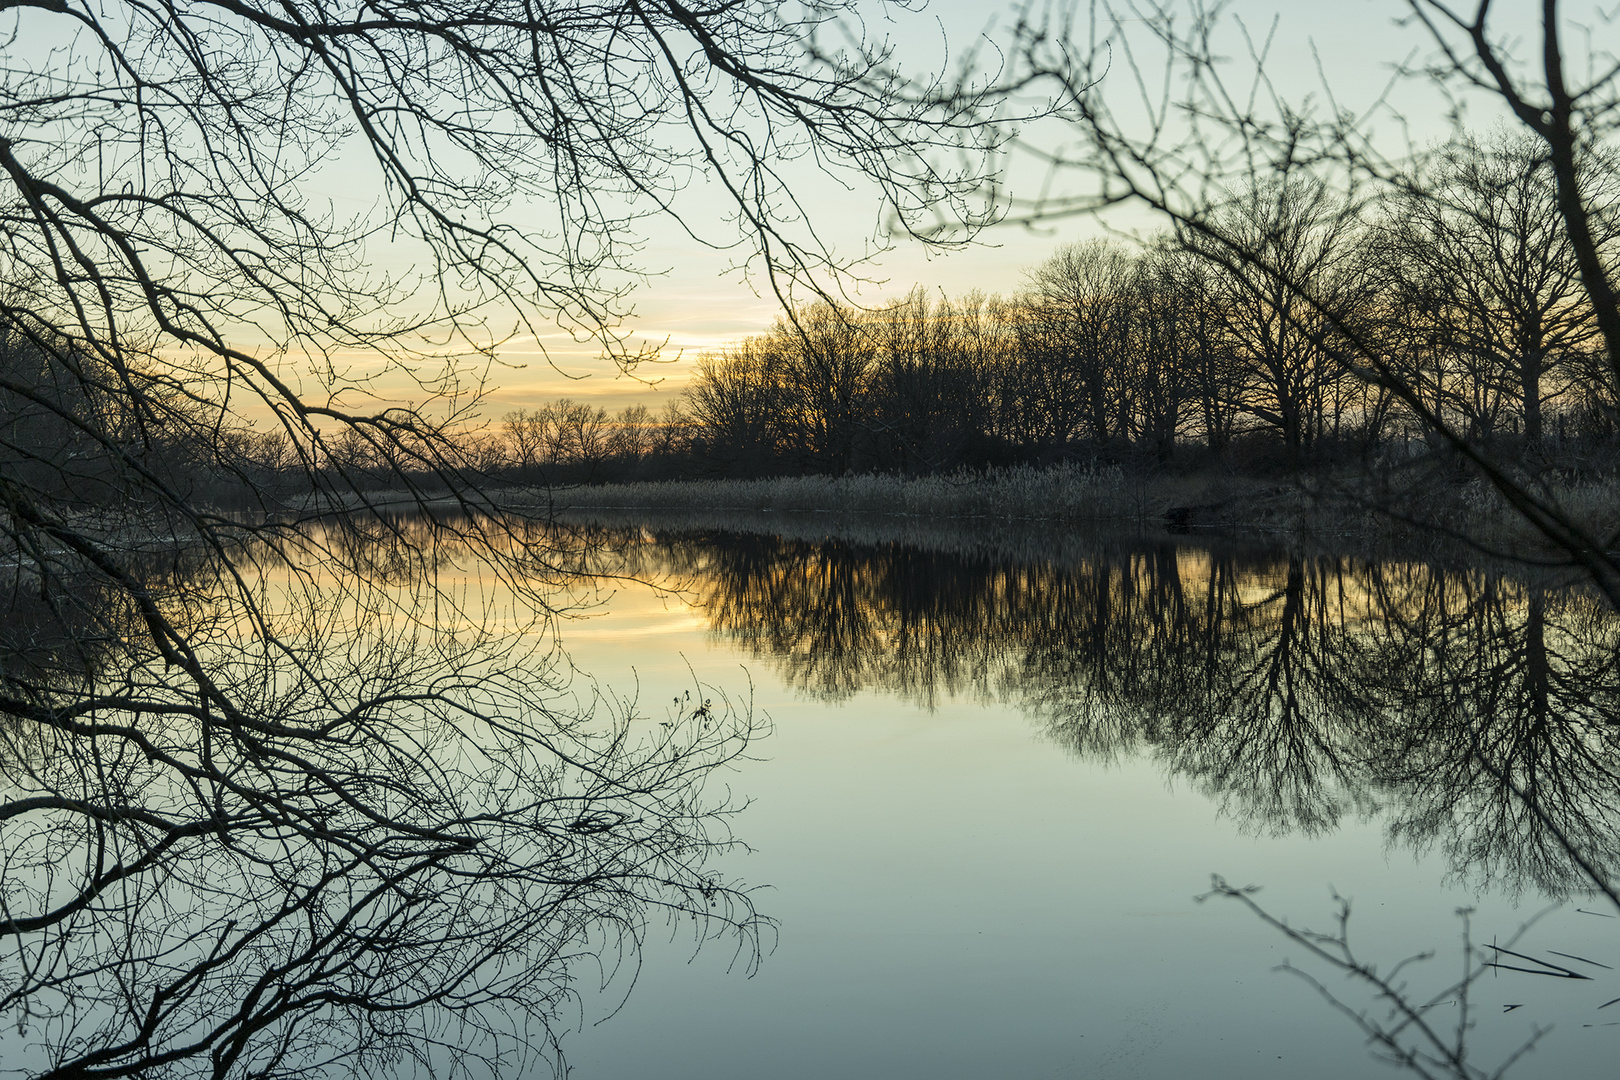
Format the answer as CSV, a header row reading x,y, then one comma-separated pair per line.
x,y
282,795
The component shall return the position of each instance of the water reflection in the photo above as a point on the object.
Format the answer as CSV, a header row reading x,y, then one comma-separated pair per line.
x,y
323,801
1473,711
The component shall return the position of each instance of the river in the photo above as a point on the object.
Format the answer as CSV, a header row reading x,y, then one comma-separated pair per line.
x,y
1002,772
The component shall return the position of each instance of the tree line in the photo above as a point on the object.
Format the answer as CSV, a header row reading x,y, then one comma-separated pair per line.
x,y
1154,356
1464,284
1166,354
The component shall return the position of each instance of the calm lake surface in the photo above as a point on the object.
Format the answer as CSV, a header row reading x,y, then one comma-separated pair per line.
x,y
1002,770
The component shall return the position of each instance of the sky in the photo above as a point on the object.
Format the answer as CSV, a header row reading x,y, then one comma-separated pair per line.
x,y
688,303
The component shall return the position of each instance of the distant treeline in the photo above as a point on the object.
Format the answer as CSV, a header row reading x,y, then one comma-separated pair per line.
x,y
1176,352
1461,292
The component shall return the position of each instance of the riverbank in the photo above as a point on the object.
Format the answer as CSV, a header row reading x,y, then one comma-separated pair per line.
x,y
1066,493
1405,510
1400,508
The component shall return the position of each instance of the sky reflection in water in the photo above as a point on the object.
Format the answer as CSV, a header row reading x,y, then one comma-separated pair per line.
x,y
997,783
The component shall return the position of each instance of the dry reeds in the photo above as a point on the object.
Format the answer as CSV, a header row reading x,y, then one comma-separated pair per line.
x,y
1306,507
1065,492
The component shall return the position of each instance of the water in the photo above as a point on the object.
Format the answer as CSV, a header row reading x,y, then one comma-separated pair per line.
x,y
997,782
1002,769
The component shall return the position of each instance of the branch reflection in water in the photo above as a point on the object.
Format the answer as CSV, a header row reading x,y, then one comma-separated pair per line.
x,y
359,821
1469,711
1293,688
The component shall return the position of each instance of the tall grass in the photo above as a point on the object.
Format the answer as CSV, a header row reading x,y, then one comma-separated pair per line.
x,y
1064,492
1421,505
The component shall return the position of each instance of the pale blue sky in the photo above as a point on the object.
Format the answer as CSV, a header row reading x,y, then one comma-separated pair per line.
x,y
690,303
1353,43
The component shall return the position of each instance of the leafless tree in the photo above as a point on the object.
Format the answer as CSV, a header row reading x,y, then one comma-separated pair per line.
x,y
825,355
632,434
1188,363
1076,333
733,402
1482,274
1165,117
1286,348
930,386
1175,107
672,434
524,432
583,432
275,802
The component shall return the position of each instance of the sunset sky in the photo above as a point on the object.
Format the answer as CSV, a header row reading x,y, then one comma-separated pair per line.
x,y
690,302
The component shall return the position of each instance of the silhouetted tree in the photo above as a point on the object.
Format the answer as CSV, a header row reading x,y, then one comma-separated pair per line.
x,y
733,403
1194,145
1482,275
1075,325
1289,350
284,805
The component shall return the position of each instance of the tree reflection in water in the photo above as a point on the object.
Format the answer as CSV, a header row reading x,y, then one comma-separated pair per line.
x,y
1294,689
361,826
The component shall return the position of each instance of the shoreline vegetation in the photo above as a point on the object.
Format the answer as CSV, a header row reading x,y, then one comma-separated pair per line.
x,y
1399,509
1151,386
1354,332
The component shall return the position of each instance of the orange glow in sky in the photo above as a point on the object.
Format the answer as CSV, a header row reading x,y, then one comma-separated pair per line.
x,y
693,300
